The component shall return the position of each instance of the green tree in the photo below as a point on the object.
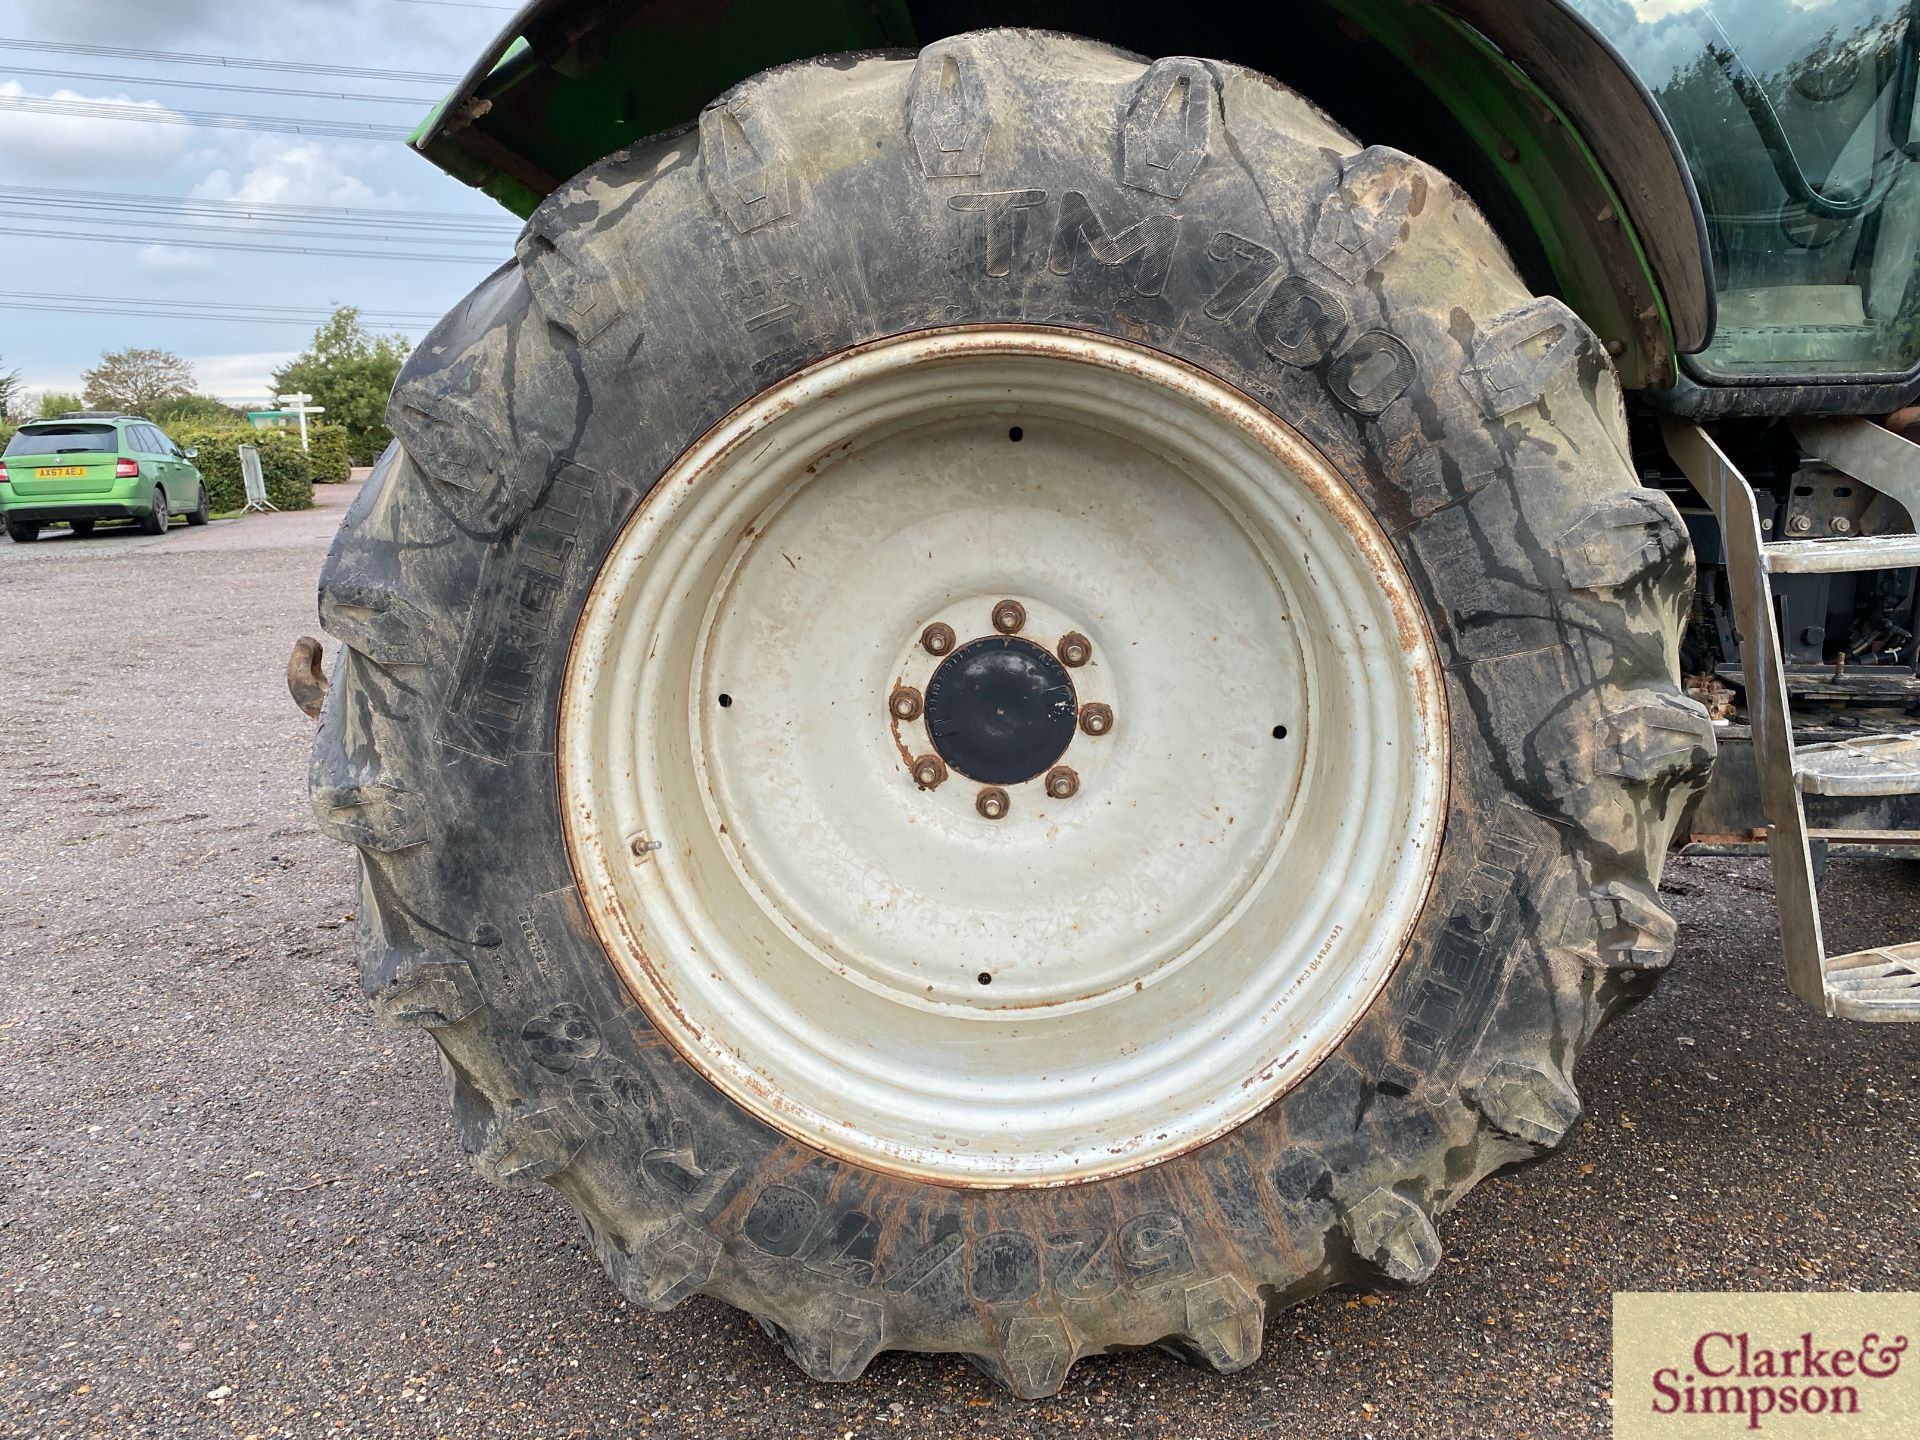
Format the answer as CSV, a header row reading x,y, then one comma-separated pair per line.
x,y
10,393
53,404
135,381
351,373
195,410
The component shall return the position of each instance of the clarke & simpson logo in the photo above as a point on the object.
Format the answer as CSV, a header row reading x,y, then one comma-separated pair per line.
x,y
1696,1365
1731,1375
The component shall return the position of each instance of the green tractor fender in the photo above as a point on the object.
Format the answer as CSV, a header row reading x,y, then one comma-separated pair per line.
x,y
1524,104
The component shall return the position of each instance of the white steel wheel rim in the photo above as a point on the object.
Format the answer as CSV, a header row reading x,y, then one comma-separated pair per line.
x,y
1085,985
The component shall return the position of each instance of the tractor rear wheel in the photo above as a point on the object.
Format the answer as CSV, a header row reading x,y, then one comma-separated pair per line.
x,y
1011,703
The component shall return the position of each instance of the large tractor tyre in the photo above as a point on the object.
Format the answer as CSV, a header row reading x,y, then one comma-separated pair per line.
x,y
1012,703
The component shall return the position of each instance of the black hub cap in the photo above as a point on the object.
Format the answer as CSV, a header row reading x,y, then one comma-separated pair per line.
x,y
1001,710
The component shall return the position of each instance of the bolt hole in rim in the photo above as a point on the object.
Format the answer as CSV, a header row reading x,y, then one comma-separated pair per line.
x,y
1081,986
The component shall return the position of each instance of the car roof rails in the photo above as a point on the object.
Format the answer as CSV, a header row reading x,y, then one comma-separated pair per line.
x,y
96,415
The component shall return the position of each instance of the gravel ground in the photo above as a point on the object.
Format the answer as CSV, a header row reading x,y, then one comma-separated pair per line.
x,y
229,1205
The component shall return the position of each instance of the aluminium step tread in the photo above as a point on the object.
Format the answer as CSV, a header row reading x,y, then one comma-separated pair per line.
x,y
1869,765
1881,984
1818,557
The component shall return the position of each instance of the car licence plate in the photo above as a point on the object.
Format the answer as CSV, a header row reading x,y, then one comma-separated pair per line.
x,y
61,472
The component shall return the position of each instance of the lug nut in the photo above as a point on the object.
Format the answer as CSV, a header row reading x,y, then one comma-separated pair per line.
x,y
1062,783
1009,616
1096,719
904,703
992,803
1074,649
929,771
937,638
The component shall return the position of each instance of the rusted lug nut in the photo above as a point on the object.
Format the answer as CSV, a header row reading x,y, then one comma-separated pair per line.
x,y
929,771
1009,616
1096,719
1074,649
904,703
1062,782
937,638
992,803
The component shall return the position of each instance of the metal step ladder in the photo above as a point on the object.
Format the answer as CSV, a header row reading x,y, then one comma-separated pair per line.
x,y
1881,984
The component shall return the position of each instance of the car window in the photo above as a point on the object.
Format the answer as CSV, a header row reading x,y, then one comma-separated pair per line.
x,y
64,440
150,441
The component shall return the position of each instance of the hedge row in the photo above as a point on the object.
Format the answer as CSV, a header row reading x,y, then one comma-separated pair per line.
x,y
328,451
288,471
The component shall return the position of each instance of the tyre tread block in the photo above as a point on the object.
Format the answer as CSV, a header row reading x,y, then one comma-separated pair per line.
x,y
410,990
1394,1235
375,621
1533,1103
378,816
947,116
671,1264
528,1145
745,175
1169,126
572,286
1225,1323
1623,540
1366,216
1526,354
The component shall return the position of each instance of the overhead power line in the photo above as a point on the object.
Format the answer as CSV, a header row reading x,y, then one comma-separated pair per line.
x,y
249,210
155,313
460,5
288,321
291,312
149,115
265,221
153,225
178,57
419,100
94,238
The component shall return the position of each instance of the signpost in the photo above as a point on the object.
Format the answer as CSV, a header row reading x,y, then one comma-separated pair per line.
x,y
303,406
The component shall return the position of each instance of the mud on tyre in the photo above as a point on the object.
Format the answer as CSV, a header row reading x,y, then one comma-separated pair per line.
x,y
1184,225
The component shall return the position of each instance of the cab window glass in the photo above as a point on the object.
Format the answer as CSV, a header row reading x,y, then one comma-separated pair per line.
x,y
1797,118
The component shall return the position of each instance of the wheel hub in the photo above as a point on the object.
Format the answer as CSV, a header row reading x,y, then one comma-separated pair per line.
x,y
939,768
1001,710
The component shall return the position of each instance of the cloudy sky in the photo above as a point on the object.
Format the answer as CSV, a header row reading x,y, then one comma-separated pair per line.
x,y
97,245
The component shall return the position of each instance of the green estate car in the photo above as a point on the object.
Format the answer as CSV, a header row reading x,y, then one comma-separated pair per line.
x,y
88,466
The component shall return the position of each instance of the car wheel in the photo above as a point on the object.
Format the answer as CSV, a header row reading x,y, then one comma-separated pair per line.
x,y
23,531
200,513
154,522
